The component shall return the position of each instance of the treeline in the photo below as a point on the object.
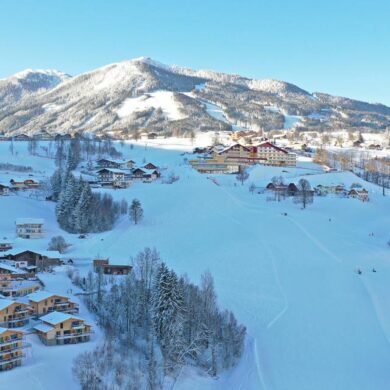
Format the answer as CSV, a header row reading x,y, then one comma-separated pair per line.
x,y
156,322
78,209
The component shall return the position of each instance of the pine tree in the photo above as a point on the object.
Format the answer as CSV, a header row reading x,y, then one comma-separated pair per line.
x,y
56,183
135,211
82,212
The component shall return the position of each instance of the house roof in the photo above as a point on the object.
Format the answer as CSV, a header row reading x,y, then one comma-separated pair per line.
x,y
56,317
43,328
10,268
4,303
41,295
270,145
49,254
23,221
113,170
3,330
232,146
16,285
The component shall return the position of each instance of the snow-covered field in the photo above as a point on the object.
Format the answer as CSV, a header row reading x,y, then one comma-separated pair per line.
x,y
313,322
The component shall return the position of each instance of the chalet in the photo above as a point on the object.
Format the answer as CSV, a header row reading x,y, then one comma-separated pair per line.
x,y
375,147
150,166
361,194
42,260
339,189
152,135
144,174
114,177
292,189
58,328
13,313
12,345
5,246
104,266
43,302
4,190
118,164
9,269
29,227
24,184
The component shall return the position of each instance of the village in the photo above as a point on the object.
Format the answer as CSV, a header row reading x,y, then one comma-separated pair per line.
x,y
34,311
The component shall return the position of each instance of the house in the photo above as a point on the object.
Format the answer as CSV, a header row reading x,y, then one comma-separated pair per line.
x,y
106,268
144,174
42,260
21,137
118,164
292,189
29,227
359,194
150,166
13,313
43,302
24,184
20,288
4,190
114,177
5,246
12,345
58,328
15,273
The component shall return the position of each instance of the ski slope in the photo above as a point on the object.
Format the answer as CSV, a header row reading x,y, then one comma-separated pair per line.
x,y
313,322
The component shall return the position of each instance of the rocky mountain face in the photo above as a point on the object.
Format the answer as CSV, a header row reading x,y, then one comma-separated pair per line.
x,y
142,95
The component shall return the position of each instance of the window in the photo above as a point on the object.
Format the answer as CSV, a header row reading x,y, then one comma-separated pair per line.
x,y
62,325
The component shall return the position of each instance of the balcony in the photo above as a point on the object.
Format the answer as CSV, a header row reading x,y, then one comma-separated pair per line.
x,y
23,345
12,359
73,335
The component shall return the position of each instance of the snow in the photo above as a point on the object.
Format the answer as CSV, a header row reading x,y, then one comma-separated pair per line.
x,y
159,99
313,322
56,317
43,327
4,303
39,296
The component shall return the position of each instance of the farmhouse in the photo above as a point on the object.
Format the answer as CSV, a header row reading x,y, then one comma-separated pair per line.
x,y
4,190
13,313
106,268
24,184
43,302
58,328
29,227
12,345
283,189
41,260
361,194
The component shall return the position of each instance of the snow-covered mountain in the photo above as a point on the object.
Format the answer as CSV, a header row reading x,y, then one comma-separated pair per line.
x,y
28,82
144,95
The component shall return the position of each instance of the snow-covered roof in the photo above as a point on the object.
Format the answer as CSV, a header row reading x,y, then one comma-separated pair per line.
x,y
24,221
41,295
50,254
4,303
2,330
43,328
113,170
56,317
20,284
11,268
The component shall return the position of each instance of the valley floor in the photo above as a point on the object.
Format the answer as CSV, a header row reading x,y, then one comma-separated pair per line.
x,y
313,322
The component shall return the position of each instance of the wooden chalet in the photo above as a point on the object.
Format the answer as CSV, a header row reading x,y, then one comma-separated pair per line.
x,y
104,266
59,328
4,189
41,260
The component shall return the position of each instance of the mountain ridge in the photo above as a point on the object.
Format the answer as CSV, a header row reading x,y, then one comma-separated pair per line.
x,y
51,100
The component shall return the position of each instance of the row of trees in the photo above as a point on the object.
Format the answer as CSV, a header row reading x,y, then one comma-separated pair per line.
x,y
165,321
78,209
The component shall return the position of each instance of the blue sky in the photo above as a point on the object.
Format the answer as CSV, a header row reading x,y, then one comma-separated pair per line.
x,y
340,47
